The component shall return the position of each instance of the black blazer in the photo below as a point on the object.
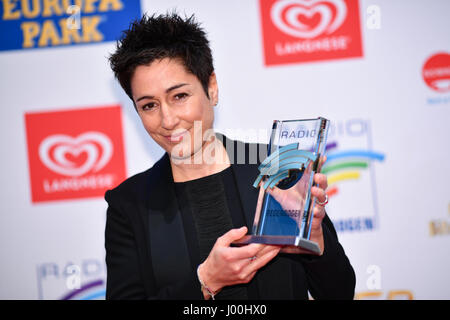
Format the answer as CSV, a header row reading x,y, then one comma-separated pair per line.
x,y
147,256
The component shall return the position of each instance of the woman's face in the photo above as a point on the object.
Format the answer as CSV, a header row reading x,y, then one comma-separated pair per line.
x,y
173,106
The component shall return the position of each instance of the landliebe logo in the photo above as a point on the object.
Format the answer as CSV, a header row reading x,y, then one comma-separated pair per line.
x,y
436,72
75,153
310,30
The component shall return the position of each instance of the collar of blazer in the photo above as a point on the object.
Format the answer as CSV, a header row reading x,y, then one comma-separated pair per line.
x,y
244,157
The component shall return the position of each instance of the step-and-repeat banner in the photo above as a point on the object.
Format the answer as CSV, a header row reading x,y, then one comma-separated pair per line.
x,y
379,70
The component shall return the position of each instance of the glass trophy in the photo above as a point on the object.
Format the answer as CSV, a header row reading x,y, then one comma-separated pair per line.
x,y
284,210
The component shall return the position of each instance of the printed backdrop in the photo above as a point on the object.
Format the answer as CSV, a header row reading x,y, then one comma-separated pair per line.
x,y
379,70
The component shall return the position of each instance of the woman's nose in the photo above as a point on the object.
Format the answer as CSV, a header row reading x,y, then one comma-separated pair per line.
x,y
169,119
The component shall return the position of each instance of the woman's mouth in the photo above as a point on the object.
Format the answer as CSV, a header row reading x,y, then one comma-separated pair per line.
x,y
175,138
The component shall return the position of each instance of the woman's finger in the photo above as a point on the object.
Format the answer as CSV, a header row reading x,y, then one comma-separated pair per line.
x,y
319,193
230,236
262,260
245,252
321,180
322,161
319,213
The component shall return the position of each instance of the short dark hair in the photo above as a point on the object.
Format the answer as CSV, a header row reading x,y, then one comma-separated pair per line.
x,y
164,36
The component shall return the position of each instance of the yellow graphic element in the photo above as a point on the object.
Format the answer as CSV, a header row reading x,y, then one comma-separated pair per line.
x,y
49,8
52,33
395,294
368,294
439,227
49,35
348,175
392,295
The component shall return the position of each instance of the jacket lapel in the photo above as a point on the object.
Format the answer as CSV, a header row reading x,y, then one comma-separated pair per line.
x,y
245,175
244,163
169,252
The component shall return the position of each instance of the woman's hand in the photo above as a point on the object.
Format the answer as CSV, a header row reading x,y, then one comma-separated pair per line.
x,y
226,266
290,200
319,213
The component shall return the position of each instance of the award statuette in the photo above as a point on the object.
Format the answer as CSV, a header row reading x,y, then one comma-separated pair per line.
x,y
284,211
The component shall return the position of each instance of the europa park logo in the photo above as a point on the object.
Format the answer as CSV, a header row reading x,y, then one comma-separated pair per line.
x,y
310,30
75,153
33,24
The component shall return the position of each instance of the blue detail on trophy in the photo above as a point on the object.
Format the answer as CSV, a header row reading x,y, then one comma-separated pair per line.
x,y
284,163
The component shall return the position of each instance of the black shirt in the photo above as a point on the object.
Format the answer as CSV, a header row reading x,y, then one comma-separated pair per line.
x,y
210,207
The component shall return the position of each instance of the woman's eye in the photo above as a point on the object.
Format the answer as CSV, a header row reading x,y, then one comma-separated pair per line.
x,y
148,106
180,96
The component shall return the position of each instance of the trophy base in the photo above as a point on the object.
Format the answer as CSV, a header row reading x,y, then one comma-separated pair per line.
x,y
290,241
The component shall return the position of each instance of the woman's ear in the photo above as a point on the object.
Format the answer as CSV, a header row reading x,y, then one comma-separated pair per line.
x,y
213,90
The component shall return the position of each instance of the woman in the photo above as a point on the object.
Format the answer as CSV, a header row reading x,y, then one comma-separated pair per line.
x,y
169,229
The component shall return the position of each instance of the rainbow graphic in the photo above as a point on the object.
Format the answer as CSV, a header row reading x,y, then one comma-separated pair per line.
x,y
346,165
89,291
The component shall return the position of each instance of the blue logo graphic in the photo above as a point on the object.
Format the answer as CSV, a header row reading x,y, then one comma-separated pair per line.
x,y
280,164
90,291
